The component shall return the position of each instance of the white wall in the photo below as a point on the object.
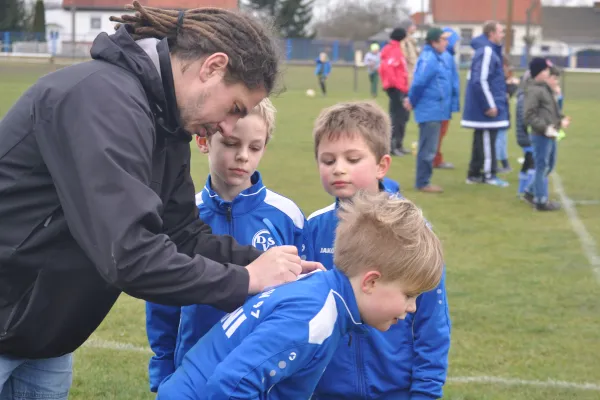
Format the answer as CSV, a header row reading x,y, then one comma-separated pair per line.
x,y
84,32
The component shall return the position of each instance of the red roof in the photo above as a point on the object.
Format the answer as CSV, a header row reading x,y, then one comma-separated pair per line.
x,y
418,18
172,4
479,11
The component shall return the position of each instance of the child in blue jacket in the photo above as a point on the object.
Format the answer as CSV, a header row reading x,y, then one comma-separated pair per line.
x,y
322,71
409,361
279,343
234,202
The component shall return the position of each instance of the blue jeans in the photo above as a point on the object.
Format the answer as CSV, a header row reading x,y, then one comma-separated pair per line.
x,y
502,145
24,379
544,158
429,136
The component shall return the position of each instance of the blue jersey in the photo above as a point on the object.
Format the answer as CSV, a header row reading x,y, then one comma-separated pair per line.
x,y
409,361
257,216
276,346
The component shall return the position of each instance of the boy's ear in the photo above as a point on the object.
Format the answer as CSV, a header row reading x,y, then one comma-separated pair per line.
x,y
202,143
383,166
369,281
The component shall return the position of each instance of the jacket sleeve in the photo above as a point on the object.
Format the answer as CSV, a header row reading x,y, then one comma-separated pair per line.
x,y
162,325
455,87
424,73
273,352
480,77
431,330
98,150
191,235
533,116
523,138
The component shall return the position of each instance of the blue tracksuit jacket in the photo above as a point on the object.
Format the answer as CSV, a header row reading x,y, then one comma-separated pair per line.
x,y
410,361
431,90
486,87
172,331
448,57
276,346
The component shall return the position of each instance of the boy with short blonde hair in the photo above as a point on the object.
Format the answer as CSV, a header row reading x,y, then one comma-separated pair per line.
x,y
281,340
234,202
410,360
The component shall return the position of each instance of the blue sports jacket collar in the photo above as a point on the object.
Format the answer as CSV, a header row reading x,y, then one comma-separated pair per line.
x,y
243,203
351,322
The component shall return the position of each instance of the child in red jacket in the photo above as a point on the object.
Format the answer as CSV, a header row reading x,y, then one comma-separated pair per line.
x,y
394,79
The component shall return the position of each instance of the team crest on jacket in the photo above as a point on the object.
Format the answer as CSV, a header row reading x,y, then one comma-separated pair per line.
x,y
262,240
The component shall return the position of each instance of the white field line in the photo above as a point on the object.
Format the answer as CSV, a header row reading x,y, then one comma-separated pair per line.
x,y
587,241
96,343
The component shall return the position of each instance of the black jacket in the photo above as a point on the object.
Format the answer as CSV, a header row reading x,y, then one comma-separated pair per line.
x,y
96,198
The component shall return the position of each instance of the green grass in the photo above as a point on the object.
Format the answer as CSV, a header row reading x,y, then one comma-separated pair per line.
x,y
524,303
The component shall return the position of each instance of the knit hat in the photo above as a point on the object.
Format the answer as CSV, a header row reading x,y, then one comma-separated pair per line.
x,y
537,65
435,34
398,34
374,47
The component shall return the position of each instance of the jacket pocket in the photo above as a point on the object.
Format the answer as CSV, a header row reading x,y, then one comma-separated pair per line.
x,y
16,313
39,227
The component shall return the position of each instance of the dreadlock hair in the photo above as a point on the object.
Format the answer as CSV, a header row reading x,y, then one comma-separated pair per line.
x,y
196,33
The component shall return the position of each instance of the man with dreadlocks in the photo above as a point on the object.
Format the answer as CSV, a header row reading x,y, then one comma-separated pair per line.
x,y
96,195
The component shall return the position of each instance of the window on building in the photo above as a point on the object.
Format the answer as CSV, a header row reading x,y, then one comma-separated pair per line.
x,y
95,23
466,35
545,48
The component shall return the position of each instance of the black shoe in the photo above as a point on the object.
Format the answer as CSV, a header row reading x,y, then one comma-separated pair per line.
x,y
548,206
528,197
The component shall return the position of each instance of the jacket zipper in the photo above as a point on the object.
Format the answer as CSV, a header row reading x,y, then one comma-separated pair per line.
x,y
230,220
359,366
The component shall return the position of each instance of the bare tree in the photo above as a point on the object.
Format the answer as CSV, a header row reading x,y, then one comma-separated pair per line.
x,y
359,19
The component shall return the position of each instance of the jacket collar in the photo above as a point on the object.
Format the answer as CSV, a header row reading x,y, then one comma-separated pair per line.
x,y
349,320
243,203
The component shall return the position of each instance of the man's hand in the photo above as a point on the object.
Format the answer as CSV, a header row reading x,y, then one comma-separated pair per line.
x,y
277,265
492,112
406,104
565,122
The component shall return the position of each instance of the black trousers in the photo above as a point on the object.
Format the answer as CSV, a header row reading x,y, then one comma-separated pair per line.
x,y
399,117
483,154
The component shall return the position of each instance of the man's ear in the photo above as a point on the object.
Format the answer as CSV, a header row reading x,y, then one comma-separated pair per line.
x,y
202,143
369,281
214,65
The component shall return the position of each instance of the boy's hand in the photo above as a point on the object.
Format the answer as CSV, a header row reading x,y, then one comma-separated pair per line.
x,y
492,112
277,265
565,122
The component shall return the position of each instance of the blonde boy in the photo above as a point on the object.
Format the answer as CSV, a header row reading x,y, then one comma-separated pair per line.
x,y
280,341
234,202
409,361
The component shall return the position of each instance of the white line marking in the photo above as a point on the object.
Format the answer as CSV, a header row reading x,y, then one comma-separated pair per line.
x,y
96,343
495,380
587,241
520,382
586,202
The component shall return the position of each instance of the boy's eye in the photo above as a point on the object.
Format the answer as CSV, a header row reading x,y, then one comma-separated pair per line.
x,y
236,110
328,162
255,148
229,144
353,160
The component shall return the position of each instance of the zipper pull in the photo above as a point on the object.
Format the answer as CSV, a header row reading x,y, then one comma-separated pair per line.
x,y
229,213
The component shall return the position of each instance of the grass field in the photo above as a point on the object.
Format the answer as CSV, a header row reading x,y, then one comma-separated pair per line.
x,y
524,301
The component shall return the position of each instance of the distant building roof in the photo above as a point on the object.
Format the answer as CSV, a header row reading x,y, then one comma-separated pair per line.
x,y
571,25
172,4
479,11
